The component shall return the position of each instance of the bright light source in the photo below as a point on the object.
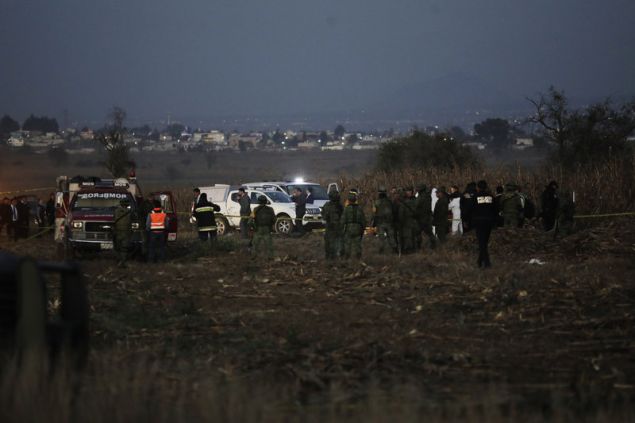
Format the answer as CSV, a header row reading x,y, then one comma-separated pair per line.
x,y
299,180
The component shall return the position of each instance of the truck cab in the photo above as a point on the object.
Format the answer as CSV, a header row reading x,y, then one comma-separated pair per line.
x,y
90,223
85,208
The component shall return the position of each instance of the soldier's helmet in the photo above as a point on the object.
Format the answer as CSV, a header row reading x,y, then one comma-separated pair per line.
x,y
352,196
262,199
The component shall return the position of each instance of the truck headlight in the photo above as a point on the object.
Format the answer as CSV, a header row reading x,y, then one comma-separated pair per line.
x,y
78,225
134,225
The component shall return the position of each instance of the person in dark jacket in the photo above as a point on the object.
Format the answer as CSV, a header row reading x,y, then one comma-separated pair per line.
x,y
384,222
50,210
299,198
467,201
549,205
408,224
424,215
332,215
440,216
245,212
484,215
309,196
24,218
205,219
40,217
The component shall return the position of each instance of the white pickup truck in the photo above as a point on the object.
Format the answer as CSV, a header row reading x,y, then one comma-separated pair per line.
x,y
226,197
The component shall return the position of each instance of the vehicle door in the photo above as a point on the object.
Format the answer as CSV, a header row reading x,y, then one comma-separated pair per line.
x,y
233,209
169,207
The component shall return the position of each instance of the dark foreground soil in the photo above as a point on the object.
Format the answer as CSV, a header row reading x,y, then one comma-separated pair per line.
x,y
530,337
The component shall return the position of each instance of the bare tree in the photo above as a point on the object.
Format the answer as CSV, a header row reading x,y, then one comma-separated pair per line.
x,y
552,115
584,135
117,160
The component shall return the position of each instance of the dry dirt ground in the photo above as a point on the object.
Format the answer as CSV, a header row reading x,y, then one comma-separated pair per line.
x,y
536,338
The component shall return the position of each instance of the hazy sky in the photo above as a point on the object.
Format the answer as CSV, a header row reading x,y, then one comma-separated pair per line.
x,y
207,57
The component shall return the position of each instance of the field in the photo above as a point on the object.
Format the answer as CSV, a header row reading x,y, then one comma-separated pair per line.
x,y
221,335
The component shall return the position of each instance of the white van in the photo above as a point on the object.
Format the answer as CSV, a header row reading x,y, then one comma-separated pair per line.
x,y
226,197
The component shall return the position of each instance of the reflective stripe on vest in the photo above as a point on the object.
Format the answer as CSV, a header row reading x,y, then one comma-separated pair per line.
x,y
157,221
204,209
207,228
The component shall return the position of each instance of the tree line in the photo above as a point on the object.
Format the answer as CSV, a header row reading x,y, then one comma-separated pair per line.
x,y
573,137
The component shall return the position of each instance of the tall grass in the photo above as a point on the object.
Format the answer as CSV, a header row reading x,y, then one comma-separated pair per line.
x,y
118,387
603,188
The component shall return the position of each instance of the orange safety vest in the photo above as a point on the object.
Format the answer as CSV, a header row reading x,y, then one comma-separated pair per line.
x,y
157,220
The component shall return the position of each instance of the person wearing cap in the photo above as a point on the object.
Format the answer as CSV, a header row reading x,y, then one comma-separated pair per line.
x,y
245,212
205,219
332,216
262,220
440,215
122,231
483,220
156,226
549,205
384,221
353,225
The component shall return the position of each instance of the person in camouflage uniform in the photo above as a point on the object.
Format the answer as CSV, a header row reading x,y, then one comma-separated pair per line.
x,y
383,220
408,222
353,225
332,215
440,216
511,206
262,220
122,231
423,214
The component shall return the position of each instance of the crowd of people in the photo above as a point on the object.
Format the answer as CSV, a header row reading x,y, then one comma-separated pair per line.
x,y
403,218
18,213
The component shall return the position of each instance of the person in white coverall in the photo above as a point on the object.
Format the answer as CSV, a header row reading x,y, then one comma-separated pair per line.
x,y
455,209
